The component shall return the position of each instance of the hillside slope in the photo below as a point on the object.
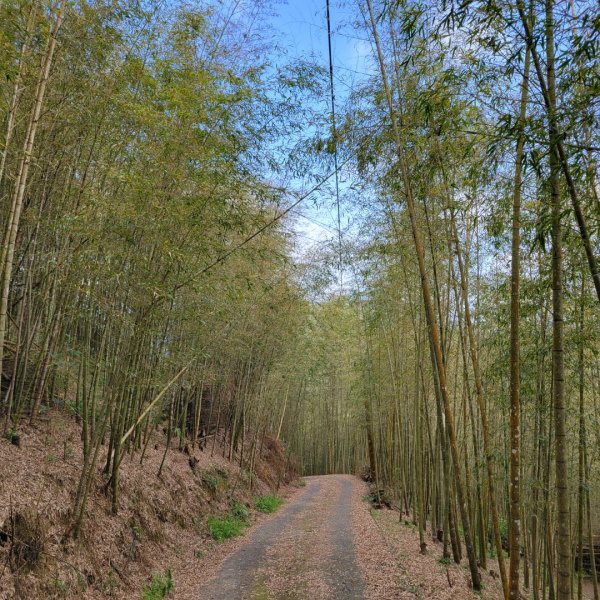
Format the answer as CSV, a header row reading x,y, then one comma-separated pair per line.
x,y
160,525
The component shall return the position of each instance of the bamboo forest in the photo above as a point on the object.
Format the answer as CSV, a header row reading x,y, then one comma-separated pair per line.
x,y
300,300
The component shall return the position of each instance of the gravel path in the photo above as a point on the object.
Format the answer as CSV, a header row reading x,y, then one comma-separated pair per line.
x,y
327,544
345,577
305,552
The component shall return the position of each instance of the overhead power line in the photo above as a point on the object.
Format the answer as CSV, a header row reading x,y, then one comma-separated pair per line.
x,y
334,134
274,220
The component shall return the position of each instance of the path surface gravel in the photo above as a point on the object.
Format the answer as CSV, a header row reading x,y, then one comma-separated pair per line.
x,y
327,544
306,551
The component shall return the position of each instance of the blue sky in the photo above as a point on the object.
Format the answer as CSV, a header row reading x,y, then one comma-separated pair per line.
x,y
301,29
304,29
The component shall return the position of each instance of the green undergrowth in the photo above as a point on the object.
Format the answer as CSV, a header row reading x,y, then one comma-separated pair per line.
x,y
267,504
215,481
160,586
239,511
223,529
232,525
238,518
11,436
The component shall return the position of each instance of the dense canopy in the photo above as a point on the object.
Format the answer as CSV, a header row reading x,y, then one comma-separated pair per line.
x,y
442,338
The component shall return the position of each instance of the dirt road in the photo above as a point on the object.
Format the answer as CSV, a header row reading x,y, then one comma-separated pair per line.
x,y
326,544
306,551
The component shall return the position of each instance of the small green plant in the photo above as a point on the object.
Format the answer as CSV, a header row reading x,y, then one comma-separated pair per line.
x,y
223,529
82,582
136,530
58,587
444,560
239,511
51,457
210,481
197,523
373,499
12,436
300,483
110,583
159,587
267,504
198,553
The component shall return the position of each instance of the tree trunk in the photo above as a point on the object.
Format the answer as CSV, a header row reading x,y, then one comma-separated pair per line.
x,y
558,392
561,156
514,529
10,239
425,287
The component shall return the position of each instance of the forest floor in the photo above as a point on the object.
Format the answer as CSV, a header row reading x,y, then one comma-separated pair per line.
x,y
161,522
328,543
325,542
